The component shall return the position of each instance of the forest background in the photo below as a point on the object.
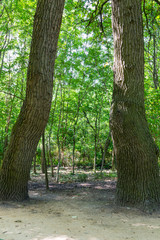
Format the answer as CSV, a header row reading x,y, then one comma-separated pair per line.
x,y
78,132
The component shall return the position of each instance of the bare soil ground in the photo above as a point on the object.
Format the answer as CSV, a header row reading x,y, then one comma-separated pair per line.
x,y
75,211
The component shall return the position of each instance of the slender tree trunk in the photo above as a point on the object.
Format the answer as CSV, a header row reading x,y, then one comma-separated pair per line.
x,y
135,151
50,131
58,141
36,107
7,129
155,75
50,156
113,160
95,152
42,159
73,150
45,161
106,146
34,164
59,158
9,105
74,135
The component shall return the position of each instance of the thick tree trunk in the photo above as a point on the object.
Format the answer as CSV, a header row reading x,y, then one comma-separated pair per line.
x,y
36,107
135,151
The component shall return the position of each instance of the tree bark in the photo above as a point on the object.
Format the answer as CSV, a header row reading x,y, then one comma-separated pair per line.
x,y
34,114
135,151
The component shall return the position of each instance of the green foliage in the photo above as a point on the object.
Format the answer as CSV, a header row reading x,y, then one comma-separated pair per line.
x,y
152,70
103,175
82,177
100,175
79,177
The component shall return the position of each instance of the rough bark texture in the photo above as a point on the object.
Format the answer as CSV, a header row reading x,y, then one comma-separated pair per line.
x,y
135,150
36,107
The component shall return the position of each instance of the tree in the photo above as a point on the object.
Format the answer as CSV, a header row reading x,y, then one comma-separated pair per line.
x,y
135,151
34,113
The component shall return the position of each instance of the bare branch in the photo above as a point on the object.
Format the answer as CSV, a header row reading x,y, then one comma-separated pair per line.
x,y
13,95
88,121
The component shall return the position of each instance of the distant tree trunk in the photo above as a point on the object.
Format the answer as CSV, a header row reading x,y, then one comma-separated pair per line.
x,y
58,141
9,106
36,107
113,160
42,159
50,156
106,146
50,131
34,164
7,129
74,135
95,145
73,150
95,139
135,151
45,161
155,75
59,158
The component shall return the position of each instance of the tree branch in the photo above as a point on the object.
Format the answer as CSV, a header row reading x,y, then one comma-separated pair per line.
x,y
13,95
88,121
157,1
97,13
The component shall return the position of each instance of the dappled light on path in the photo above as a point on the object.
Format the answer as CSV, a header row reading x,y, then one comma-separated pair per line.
x,y
63,237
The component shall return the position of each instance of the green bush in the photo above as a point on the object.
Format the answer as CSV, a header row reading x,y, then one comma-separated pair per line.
x,y
82,177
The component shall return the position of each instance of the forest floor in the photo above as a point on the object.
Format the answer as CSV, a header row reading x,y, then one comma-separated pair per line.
x,y
75,211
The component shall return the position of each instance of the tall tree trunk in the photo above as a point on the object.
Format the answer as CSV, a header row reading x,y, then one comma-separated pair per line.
x,y
135,151
36,107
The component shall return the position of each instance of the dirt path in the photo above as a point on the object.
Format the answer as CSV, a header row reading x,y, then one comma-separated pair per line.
x,y
83,211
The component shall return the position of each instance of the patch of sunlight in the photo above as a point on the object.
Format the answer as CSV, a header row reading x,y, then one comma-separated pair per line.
x,y
145,225
139,225
153,227
63,237
93,238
